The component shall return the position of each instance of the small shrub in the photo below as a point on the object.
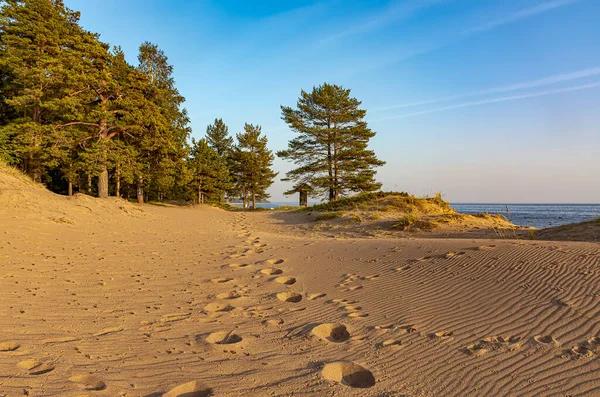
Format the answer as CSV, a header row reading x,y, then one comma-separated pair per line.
x,y
406,221
326,216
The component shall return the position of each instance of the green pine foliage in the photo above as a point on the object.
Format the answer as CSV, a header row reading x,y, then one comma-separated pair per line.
x,y
252,165
209,172
217,136
76,116
331,149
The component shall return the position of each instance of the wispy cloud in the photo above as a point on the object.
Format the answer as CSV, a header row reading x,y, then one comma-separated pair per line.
x,y
561,78
494,100
519,15
392,13
522,14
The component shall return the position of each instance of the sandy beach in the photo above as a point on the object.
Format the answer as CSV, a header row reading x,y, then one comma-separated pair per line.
x,y
107,298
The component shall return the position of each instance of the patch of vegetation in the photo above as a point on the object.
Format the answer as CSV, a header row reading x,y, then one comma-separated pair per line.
x,y
385,202
406,221
327,216
17,173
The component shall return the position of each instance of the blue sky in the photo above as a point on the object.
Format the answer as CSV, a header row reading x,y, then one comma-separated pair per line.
x,y
483,100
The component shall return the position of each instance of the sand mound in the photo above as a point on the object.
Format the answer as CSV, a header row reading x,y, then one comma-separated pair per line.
x,y
331,332
223,338
89,382
348,374
271,271
190,389
286,280
292,297
218,307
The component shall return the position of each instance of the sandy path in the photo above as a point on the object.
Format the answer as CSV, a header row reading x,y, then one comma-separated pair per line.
x,y
136,301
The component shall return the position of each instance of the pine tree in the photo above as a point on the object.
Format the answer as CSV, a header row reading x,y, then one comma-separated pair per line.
x,y
36,47
253,165
209,171
217,136
163,146
331,149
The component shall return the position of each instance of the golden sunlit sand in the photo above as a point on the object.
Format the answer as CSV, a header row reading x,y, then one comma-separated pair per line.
x,y
107,298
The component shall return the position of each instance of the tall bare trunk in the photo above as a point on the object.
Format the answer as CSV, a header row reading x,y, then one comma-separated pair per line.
x,y
89,189
103,183
70,189
140,190
253,200
118,182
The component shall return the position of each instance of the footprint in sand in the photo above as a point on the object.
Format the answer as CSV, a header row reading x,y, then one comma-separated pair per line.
x,y
546,340
314,296
332,332
349,374
223,338
476,349
272,322
64,339
352,308
402,268
108,331
190,389
271,271
580,351
285,280
353,288
170,318
9,346
501,342
406,329
259,308
441,335
41,368
29,364
218,307
89,382
392,343
238,265
357,315
228,295
292,297
271,262
221,280
371,277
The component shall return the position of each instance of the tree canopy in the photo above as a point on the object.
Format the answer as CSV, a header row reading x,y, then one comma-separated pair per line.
x,y
331,148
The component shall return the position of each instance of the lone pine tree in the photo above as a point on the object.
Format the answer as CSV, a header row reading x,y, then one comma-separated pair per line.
x,y
331,149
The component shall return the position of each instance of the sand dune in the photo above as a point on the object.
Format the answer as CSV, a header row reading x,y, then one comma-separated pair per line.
x,y
120,300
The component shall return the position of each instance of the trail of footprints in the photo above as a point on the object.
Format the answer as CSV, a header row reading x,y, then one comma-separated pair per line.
x,y
346,373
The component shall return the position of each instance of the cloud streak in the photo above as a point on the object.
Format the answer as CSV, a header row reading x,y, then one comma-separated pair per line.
x,y
393,13
493,100
519,15
508,19
561,78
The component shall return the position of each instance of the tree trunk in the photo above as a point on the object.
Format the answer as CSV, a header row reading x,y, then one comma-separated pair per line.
x,y
200,200
140,190
253,200
70,189
118,182
103,183
89,189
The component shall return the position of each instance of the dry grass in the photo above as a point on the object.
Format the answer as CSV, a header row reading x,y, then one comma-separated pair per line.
x,y
17,174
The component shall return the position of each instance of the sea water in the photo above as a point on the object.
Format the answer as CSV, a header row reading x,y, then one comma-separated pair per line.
x,y
536,215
